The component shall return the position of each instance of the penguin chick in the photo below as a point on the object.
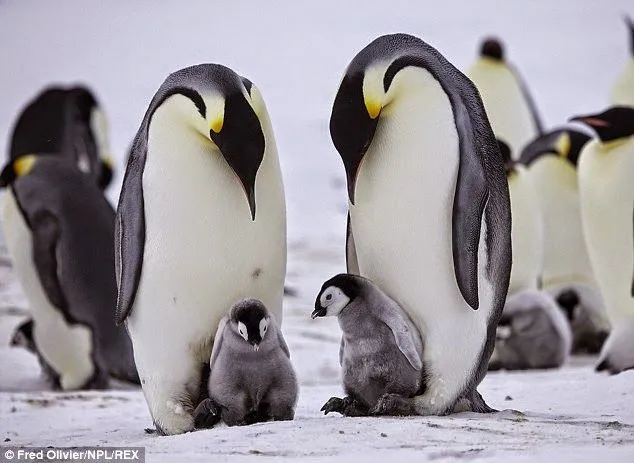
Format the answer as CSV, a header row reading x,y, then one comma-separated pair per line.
x,y
252,378
381,349
533,333
589,325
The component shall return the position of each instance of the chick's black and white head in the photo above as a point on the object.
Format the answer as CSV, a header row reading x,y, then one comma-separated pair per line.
x,y
336,294
251,321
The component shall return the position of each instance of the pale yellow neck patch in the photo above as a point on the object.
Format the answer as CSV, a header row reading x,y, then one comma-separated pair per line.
x,y
24,164
562,145
215,112
373,93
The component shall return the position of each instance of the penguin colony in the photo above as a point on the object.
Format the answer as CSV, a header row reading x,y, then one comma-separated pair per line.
x,y
528,253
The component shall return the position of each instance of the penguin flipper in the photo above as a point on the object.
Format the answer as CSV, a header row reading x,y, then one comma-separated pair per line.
x,y
215,350
352,264
282,342
129,235
403,335
46,234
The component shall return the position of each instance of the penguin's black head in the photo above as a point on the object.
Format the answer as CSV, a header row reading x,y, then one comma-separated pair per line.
x,y
15,169
23,336
336,294
612,124
565,143
225,109
251,321
492,48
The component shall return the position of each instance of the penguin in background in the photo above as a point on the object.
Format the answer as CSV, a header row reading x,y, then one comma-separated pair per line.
x,y
606,192
567,275
527,226
66,122
429,212
508,103
59,231
622,93
206,149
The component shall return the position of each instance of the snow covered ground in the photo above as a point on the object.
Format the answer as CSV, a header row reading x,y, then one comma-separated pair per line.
x,y
569,52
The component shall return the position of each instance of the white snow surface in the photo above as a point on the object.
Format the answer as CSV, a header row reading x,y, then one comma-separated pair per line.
x,y
569,53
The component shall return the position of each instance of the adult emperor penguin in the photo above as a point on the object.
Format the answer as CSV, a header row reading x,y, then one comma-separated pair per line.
x,y
59,229
67,122
508,103
551,162
429,214
607,204
527,227
201,224
623,88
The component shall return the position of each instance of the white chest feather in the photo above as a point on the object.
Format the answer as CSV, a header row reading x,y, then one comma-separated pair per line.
x,y
203,252
607,206
67,348
623,89
504,102
527,232
565,254
402,228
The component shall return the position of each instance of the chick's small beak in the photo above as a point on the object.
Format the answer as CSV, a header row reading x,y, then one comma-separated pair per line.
x,y
318,312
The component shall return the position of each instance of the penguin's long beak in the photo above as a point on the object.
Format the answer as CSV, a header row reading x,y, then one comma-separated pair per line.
x,y
591,120
238,134
353,122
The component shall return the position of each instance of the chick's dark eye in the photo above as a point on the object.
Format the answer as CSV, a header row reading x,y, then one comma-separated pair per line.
x,y
328,297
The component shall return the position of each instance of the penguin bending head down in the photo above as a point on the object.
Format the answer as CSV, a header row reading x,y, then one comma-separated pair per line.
x,y
202,191
252,379
607,209
429,215
68,123
381,349
59,231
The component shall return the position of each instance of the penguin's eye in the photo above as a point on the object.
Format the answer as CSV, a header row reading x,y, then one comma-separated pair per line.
x,y
329,297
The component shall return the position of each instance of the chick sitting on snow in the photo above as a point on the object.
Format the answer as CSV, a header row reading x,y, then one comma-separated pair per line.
x,y
251,376
381,349
532,333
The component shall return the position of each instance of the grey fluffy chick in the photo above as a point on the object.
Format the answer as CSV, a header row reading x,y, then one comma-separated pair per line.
x,y
381,350
533,333
251,375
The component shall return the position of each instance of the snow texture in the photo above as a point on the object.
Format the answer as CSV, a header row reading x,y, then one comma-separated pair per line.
x,y
569,53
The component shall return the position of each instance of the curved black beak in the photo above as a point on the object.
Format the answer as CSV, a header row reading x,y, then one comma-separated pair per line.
x,y
8,175
105,175
241,142
318,312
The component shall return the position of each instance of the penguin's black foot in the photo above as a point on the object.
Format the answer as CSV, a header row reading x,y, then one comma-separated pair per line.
x,y
207,414
393,405
346,406
478,404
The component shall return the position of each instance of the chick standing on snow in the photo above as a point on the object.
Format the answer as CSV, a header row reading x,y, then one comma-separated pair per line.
x,y
381,349
252,379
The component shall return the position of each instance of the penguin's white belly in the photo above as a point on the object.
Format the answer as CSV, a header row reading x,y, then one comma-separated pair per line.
x,y
67,348
566,259
607,201
402,230
505,104
203,252
527,230
623,89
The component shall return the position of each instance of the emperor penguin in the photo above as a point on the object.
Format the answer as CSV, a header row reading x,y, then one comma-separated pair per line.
x,y
623,89
252,378
201,224
507,101
59,230
607,206
527,226
382,350
67,122
429,212
567,275
533,333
